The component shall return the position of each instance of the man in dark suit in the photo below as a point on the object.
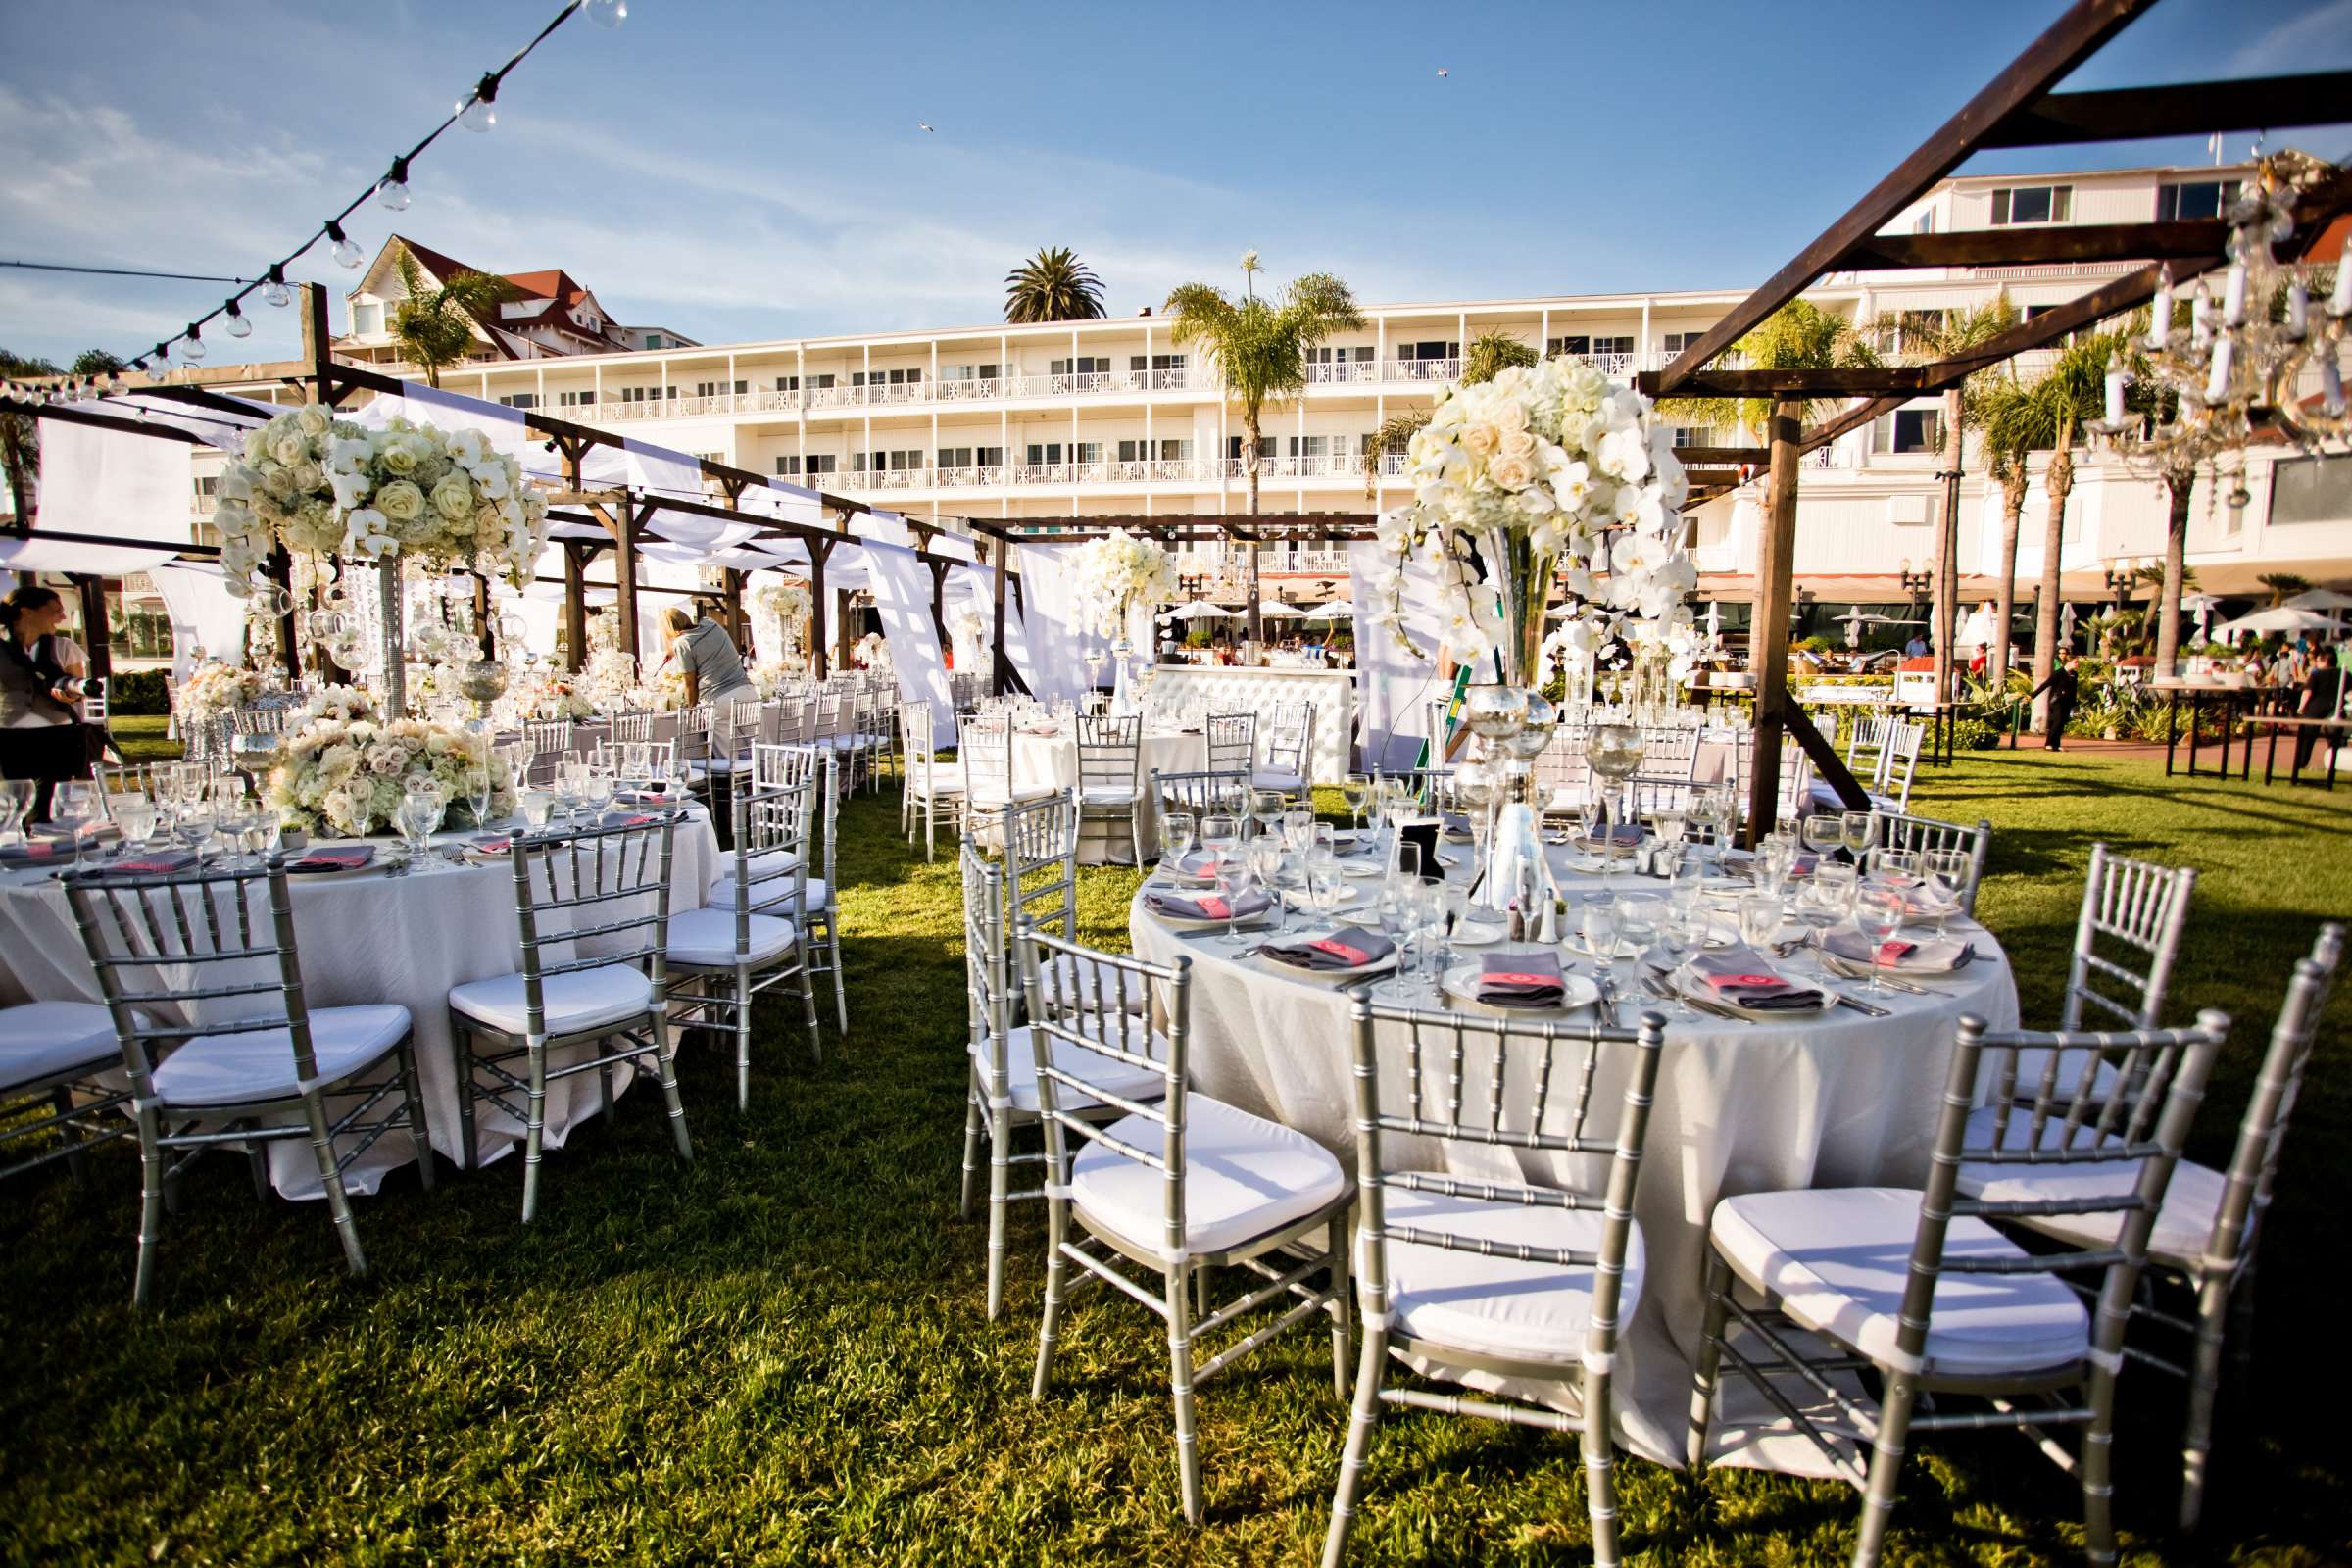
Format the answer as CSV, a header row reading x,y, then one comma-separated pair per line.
x,y
2063,685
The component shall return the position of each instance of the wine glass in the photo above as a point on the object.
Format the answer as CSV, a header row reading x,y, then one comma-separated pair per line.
x,y
192,823
1396,911
419,817
1297,831
1879,911
1219,832
16,800
596,787
1357,790
1638,915
1823,833
1266,806
1326,883
478,795
1858,829
1265,864
1947,876
73,807
263,832
572,783
1175,840
135,814
1234,881
1679,938
1897,866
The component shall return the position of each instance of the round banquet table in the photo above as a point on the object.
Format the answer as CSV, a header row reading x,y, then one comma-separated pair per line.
x,y
371,936
1831,1099
1049,761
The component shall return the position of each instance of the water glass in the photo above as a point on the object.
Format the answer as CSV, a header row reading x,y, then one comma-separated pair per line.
x,y
16,800
1357,790
1175,839
135,814
1266,806
1946,872
478,795
1760,915
538,806
1297,831
1638,915
192,826
597,788
1600,918
1897,866
1823,834
1219,833
1266,865
73,807
1233,881
1858,831
1879,911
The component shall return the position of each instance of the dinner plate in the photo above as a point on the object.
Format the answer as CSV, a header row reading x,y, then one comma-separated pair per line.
x,y
1337,977
1462,984
1700,992
1479,933
375,863
1183,922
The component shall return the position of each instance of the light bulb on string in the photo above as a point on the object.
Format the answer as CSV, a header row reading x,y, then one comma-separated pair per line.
x,y
275,290
392,191
607,12
191,347
345,253
479,112
238,326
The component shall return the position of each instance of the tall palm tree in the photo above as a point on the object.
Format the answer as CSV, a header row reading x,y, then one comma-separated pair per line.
x,y
1491,353
1798,336
2283,585
2011,421
1258,346
20,437
2070,396
434,326
1053,286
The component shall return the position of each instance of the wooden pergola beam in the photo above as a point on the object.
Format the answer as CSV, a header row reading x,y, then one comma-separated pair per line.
x,y
1833,381
2073,39
2035,246
2176,109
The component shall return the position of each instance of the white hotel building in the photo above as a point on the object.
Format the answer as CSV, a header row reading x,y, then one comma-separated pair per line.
x,y
1104,418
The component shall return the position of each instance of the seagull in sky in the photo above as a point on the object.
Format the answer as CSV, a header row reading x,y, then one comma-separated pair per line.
x,y
1442,72
926,128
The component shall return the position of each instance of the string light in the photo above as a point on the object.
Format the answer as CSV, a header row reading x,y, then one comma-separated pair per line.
x,y
392,193
274,291
238,325
191,347
479,112
607,12
345,253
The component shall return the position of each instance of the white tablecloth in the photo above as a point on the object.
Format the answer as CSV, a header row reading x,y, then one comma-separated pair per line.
x,y
368,936
1051,761
1835,1099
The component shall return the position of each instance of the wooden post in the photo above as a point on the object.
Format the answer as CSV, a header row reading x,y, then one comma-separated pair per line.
x,y
818,550
624,576
731,586
939,598
576,604
92,591
1768,640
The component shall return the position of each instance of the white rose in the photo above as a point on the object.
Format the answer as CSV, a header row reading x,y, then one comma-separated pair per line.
x,y
1510,415
1481,438
1512,473
1517,443
257,445
394,455
314,420
452,497
400,501
290,448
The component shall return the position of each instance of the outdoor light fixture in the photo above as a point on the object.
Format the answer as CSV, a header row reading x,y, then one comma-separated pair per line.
x,y
191,347
238,326
1915,583
345,254
275,290
479,112
392,191
607,12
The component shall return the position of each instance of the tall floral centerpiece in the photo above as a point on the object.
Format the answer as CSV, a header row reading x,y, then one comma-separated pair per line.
x,y
319,485
1547,471
1117,574
780,621
342,778
967,632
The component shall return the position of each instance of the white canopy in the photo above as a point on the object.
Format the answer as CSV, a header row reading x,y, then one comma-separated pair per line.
x,y
2319,599
1337,610
2281,619
1198,609
1275,606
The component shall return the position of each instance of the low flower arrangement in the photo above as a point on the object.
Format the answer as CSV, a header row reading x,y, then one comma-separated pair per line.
x,y
871,652
341,704
212,690
343,780
555,695
774,676
780,613
320,485
1115,573
608,673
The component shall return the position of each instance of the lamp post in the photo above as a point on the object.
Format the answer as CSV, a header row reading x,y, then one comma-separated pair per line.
x,y
1915,583
2120,576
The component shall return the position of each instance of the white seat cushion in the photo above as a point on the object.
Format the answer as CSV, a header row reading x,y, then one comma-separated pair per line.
x,y
937,785
1275,778
581,999
1499,1306
1120,1078
1111,795
39,1039
766,866
706,938
1838,1259
240,1069
990,800
1244,1177
2184,1225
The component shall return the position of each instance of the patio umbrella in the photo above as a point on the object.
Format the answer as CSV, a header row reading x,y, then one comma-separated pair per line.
x,y
1337,610
2319,599
2281,619
1198,609
1275,606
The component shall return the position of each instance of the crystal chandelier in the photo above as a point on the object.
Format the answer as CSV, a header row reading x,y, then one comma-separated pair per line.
x,y
2241,359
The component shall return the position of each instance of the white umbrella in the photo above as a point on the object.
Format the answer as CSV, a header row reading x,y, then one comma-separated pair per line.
x,y
1275,606
1337,610
2065,622
2319,599
2280,618
1198,609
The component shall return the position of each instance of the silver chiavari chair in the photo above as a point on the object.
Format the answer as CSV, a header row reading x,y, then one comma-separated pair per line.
x,y
984,749
1202,793
1289,766
54,1057
734,731
549,738
1866,736
1900,831
1232,743
1179,1187
1563,780
2136,910
1922,1290
786,766
723,954
1002,1097
1491,1277
690,729
594,908
1899,764
930,783
1111,784
2206,1232
193,946
632,727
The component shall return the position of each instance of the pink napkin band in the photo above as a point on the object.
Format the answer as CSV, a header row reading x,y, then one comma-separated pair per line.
x,y
1894,951
1355,955
1214,909
1748,982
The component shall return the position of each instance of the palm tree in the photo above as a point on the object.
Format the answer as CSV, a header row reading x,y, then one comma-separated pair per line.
x,y
1798,336
1053,286
20,437
2283,585
1259,350
2007,413
2071,395
1490,354
435,326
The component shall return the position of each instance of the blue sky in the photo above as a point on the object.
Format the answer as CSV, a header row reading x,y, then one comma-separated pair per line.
x,y
749,168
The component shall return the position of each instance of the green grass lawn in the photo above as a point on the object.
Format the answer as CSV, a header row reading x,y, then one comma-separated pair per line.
x,y
777,1354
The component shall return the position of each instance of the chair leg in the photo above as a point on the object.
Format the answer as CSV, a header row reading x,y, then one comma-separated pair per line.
x,y
665,1064
1180,1388
412,1117
1707,1380
1361,1422
534,1125
257,1165
817,1051
151,1202
465,1084
999,1199
743,1037
841,997
972,1124
1598,1443
1343,1305
1049,1329
338,1203
77,1165
2097,1464
1886,1468
2214,1306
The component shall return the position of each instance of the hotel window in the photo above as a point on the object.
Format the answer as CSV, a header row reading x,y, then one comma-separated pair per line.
x,y
368,317
818,464
645,394
1084,364
1042,453
788,466
521,400
575,400
1690,435
1613,345
967,372
989,456
1673,343
2193,198
886,378
1911,430
955,457
1925,222
1157,362
2032,204
1311,445
1087,451
1338,354
1559,347
788,383
652,340
1159,450
1233,446
1435,350
821,382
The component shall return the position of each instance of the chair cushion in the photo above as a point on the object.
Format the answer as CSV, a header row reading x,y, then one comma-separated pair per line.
x,y
2184,1225
1275,778
578,999
1244,1177
241,1068
1838,1259
765,864
1111,795
706,938
38,1040
1499,1306
990,800
1120,1078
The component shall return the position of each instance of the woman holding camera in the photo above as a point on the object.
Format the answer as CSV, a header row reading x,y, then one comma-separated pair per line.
x,y
40,728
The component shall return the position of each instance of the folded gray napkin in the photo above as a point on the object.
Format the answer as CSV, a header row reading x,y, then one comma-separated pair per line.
x,y
1207,906
343,858
1740,976
1520,980
1350,946
154,865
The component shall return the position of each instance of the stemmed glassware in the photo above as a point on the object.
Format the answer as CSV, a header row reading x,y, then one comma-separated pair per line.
x,y
1859,830
1219,832
135,814
478,795
1357,790
1947,876
1175,840
73,807
1266,865
1232,883
417,817
1823,833
1614,752
596,787
192,823
571,787
1879,911
16,800
1266,806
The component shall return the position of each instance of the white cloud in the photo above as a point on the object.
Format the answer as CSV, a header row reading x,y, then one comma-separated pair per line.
x,y
2291,45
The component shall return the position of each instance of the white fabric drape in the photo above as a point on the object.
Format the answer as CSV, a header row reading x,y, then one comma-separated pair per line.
x,y
443,410
205,614
115,484
901,588
1394,686
48,555
1056,646
978,585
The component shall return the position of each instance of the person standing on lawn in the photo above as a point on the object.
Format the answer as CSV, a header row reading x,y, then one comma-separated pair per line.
x,y
2063,685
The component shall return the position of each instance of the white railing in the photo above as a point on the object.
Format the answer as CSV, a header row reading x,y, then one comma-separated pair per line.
x,y
1342,373
1421,370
